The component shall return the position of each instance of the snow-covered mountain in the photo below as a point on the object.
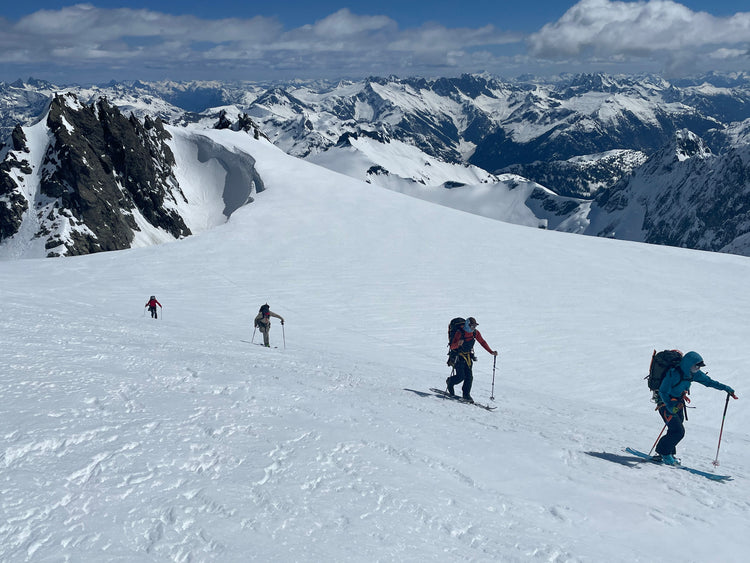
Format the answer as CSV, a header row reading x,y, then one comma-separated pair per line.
x,y
473,139
494,124
23,102
582,176
85,179
129,439
684,195
473,119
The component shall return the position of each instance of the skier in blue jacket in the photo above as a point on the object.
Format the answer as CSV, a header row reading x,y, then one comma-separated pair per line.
x,y
673,393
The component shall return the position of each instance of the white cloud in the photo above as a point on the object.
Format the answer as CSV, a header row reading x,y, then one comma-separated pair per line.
x,y
83,34
86,23
86,43
656,30
345,24
725,54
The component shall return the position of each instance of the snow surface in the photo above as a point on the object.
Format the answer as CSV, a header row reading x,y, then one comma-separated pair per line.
x,y
406,165
405,169
129,439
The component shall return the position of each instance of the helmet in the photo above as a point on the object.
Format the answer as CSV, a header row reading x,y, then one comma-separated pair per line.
x,y
152,297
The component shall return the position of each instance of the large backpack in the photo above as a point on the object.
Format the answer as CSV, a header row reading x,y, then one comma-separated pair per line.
x,y
264,310
661,363
453,327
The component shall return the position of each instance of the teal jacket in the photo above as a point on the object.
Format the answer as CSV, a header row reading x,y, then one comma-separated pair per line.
x,y
677,381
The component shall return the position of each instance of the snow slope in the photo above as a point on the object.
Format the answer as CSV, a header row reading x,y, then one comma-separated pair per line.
x,y
407,170
128,439
405,164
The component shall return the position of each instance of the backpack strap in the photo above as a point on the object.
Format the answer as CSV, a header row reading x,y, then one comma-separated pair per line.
x,y
467,357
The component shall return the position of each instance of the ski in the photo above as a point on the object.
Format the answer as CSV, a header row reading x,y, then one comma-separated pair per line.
x,y
706,474
258,344
444,393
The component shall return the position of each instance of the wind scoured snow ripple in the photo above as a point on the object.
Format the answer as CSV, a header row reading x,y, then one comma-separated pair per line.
x,y
131,439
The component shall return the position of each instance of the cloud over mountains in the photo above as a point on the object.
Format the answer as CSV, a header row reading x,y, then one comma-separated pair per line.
x,y
85,42
659,30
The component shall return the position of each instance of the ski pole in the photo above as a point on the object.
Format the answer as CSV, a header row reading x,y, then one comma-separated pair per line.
x,y
716,461
283,334
494,363
657,439
252,340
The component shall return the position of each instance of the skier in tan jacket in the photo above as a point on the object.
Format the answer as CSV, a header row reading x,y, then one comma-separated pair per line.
x,y
263,322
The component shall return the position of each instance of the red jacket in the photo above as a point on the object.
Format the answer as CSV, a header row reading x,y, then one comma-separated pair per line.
x,y
468,341
153,303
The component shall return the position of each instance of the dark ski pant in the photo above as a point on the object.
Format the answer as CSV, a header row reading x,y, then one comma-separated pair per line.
x,y
153,312
675,431
463,373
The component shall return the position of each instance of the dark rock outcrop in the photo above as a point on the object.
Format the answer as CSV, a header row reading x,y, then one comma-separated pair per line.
x,y
12,204
102,167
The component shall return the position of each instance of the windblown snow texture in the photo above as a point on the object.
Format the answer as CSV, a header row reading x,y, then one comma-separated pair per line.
x,y
130,439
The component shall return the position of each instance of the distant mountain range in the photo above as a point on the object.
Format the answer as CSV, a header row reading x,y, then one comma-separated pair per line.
x,y
627,157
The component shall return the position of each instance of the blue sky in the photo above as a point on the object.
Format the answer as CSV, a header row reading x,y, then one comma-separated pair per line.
x,y
251,40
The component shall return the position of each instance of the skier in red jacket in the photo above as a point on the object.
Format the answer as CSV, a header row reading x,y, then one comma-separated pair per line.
x,y
152,303
463,344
